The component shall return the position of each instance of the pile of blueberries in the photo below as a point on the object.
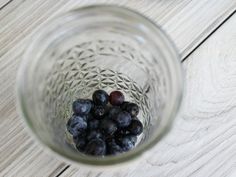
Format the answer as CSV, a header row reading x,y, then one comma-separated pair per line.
x,y
105,125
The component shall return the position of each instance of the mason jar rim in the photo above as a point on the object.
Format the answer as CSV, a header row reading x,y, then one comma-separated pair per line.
x,y
171,112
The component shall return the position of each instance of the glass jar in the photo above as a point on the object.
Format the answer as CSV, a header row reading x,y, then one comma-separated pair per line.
x,y
99,47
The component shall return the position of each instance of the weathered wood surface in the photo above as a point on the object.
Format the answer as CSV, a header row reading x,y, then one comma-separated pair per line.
x,y
188,22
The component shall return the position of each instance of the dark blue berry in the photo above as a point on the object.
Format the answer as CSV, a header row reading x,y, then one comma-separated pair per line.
x,y
127,142
80,142
89,116
121,132
82,106
114,111
100,97
116,98
135,127
94,134
124,105
93,124
80,145
113,148
132,138
81,135
96,147
123,119
76,125
108,127
99,111
133,109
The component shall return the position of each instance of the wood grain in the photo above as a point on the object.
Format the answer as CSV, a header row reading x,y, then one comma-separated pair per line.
x,y
195,19
19,155
4,3
203,139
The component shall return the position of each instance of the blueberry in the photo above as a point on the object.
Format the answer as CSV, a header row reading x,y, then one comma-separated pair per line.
x,y
80,145
94,134
96,147
80,142
127,142
116,98
121,132
89,116
133,109
114,111
99,111
113,148
100,97
82,106
124,105
81,135
132,138
76,125
93,124
123,119
107,126
135,127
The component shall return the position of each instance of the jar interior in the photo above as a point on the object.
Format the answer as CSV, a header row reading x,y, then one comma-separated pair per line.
x,y
109,62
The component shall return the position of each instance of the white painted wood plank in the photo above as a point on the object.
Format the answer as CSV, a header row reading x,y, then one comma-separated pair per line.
x,y
202,142
19,154
21,18
193,18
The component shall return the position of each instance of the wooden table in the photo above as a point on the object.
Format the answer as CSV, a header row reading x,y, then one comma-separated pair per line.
x,y
202,142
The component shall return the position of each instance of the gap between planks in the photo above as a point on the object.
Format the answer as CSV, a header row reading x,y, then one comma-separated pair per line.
x,y
5,4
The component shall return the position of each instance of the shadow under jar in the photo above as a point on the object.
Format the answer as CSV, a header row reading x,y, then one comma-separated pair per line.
x,y
98,47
